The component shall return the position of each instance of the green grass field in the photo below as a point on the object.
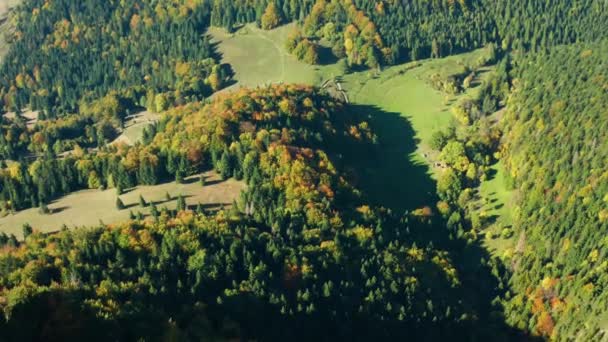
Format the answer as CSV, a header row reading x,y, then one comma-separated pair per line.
x,y
258,57
90,207
407,111
496,203
134,127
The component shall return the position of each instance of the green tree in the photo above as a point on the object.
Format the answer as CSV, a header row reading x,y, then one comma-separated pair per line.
x,y
119,204
27,230
142,202
225,165
181,203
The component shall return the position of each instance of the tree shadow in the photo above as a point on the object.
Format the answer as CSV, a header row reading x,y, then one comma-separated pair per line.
x,y
208,207
326,56
58,209
390,177
55,315
213,182
387,172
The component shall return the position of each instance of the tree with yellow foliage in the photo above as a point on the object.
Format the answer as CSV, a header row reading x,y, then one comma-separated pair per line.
x,y
271,17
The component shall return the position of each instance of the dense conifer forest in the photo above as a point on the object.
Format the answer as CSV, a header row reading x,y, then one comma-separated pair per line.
x,y
304,253
556,154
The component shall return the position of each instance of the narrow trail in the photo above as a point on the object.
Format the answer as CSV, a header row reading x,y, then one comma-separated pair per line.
x,y
280,53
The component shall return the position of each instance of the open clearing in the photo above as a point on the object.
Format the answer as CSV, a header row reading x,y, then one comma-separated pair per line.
x,y
90,207
497,204
134,127
258,58
406,110
30,117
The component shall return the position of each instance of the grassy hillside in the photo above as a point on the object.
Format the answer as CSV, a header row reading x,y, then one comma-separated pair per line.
x,y
88,208
259,57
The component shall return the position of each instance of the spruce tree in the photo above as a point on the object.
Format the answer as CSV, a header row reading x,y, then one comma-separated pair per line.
x,y
119,204
27,230
142,202
181,203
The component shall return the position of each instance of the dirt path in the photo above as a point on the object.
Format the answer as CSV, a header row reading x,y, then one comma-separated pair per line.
x,y
279,50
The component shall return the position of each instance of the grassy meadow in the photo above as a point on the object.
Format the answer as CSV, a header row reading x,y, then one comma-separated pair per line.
x,y
259,57
90,207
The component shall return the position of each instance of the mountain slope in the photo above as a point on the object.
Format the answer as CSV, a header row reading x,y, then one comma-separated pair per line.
x,y
556,151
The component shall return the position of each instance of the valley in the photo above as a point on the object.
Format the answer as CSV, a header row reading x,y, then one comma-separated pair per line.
x,y
300,170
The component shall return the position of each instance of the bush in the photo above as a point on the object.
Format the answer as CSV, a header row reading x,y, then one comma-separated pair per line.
x,y
506,233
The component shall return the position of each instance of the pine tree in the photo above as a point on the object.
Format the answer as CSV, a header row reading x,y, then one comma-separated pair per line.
x,y
44,209
181,203
119,204
199,209
224,167
142,202
154,211
27,230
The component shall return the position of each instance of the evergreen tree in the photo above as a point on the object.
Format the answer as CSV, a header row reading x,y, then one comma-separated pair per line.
x,y
225,165
119,204
142,202
27,230
181,203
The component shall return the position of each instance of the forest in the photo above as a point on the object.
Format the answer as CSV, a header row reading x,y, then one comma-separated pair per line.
x,y
304,252
301,245
555,151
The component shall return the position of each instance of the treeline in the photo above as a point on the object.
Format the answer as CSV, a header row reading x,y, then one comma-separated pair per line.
x,y
299,256
555,150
